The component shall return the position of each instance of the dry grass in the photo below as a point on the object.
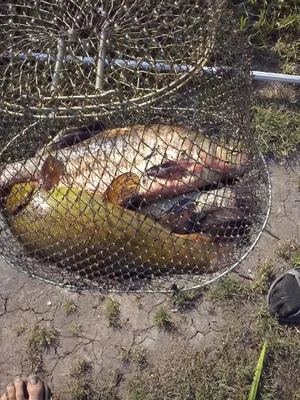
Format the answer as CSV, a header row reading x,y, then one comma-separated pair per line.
x,y
112,312
278,129
225,370
70,307
162,319
135,356
39,340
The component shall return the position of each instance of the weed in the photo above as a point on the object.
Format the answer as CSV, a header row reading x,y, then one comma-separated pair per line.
x,y
286,249
112,312
162,319
139,357
264,276
76,329
81,368
40,339
231,291
266,325
136,356
138,299
278,130
272,26
107,393
79,384
225,369
295,262
185,301
70,307
298,183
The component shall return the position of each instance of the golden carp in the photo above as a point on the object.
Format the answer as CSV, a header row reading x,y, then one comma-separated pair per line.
x,y
167,160
77,229
223,212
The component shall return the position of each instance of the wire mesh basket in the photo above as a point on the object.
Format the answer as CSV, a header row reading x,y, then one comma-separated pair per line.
x,y
127,156
65,57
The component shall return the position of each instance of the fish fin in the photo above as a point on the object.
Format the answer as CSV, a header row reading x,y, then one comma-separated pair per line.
x,y
51,172
71,136
183,205
197,237
134,202
123,188
171,169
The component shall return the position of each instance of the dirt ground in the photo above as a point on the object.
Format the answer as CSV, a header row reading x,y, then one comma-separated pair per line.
x,y
84,333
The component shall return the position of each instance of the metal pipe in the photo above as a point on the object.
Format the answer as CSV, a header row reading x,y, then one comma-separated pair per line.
x,y
161,67
101,58
59,65
274,77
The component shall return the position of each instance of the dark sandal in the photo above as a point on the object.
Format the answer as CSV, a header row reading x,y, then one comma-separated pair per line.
x,y
284,296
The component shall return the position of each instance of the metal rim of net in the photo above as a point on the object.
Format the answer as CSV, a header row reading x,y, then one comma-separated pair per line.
x,y
181,75
199,281
30,111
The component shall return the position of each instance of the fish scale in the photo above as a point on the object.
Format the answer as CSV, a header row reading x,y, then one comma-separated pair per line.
x,y
95,162
80,221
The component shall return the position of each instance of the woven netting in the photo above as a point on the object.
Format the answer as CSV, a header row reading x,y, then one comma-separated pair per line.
x,y
127,156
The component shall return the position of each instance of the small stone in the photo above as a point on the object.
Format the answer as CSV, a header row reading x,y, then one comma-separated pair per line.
x,y
49,303
174,310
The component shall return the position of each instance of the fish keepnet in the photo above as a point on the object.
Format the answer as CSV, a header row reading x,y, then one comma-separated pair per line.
x,y
127,157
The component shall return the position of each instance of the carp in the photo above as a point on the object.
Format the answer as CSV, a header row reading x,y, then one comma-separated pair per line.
x,y
168,160
78,229
222,212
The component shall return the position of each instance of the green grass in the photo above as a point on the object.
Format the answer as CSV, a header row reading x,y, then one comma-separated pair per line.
x,y
112,312
290,252
264,276
81,386
80,382
278,129
70,307
295,262
187,300
273,29
162,319
225,369
230,291
286,249
135,356
40,339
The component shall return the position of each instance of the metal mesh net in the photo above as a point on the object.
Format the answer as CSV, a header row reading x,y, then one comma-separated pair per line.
x,y
127,157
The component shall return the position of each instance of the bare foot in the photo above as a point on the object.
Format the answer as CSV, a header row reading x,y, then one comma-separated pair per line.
x,y
33,389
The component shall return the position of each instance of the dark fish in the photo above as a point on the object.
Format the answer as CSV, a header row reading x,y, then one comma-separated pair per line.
x,y
224,212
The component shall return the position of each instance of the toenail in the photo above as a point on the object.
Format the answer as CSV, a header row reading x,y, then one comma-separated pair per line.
x,y
33,380
18,379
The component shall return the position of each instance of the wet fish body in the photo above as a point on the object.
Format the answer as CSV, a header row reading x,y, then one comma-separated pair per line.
x,y
101,236
167,160
220,212
64,204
